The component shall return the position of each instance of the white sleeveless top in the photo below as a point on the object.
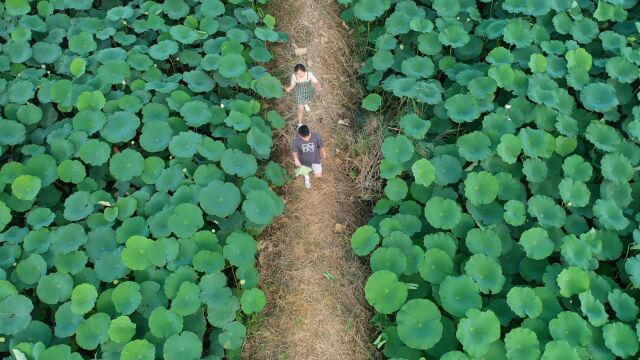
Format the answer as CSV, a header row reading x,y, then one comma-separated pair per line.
x,y
309,77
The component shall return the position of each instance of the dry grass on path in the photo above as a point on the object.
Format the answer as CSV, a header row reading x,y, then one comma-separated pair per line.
x,y
309,317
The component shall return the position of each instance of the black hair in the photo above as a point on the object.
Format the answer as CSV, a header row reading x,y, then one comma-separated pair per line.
x,y
304,131
299,67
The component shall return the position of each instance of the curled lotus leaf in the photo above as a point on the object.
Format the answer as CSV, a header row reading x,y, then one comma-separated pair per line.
x,y
599,97
477,331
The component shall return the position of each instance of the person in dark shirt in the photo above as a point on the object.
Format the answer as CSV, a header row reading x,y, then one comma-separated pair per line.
x,y
308,150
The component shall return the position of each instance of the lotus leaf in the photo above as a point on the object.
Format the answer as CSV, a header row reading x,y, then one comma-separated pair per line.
x,y
269,87
442,213
384,292
15,314
620,339
369,10
414,126
459,294
185,346
419,325
372,102
397,149
536,243
572,280
253,301
31,269
481,188
93,331
126,165
26,187
522,344
364,240
240,249
486,272
524,302
233,335
435,266
477,331
389,258
474,146
121,329
624,305
235,162
83,298
462,108
138,350
186,220
164,323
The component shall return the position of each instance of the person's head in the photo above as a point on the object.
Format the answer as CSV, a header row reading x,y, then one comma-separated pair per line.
x,y
304,132
299,69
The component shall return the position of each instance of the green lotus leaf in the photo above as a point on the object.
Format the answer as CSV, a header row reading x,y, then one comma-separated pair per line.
x,y
164,323
186,220
185,144
536,243
577,252
573,280
624,305
364,240
616,168
418,67
233,335
163,49
524,302
412,125
37,217
15,314
518,32
604,137
260,142
93,331
220,199
83,298
574,193
538,63
622,69
121,329
593,309
455,36
522,344
126,297
584,30
454,355
235,162
381,61
423,172
369,10
26,187
232,65
388,258
121,126
238,120
71,171
537,143
535,170
486,272
208,262
66,321
610,215
396,189
156,136
260,207
95,152
138,350
484,241
478,331
31,269
29,114
474,146
397,149
447,169
515,213
82,43
577,168
546,211
599,97
462,108
570,327
183,34
620,339
253,301
186,346
458,294
54,288
482,87
269,87
372,102
187,299
126,165
384,292
196,113
91,100
17,7
419,325
480,187
579,59
78,66
11,132
435,266
240,249
135,255
5,217
442,213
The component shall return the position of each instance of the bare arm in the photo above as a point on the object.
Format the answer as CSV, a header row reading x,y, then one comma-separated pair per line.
x,y
296,160
291,85
323,152
316,83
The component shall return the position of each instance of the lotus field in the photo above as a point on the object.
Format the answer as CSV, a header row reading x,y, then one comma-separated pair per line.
x,y
134,176
509,225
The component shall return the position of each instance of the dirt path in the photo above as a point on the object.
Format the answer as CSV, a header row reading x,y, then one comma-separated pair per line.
x,y
309,316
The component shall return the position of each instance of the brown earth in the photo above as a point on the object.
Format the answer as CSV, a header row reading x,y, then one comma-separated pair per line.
x,y
313,281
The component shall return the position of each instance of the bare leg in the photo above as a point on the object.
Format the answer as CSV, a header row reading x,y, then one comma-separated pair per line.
x,y
300,113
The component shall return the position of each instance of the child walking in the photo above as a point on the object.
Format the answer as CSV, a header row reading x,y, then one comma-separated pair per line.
x,y
306,85
308,150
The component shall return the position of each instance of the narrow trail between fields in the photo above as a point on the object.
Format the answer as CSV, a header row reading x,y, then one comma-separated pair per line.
x,y
313,282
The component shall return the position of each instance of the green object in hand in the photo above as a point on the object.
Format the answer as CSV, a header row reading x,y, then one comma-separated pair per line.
x,y
303,170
